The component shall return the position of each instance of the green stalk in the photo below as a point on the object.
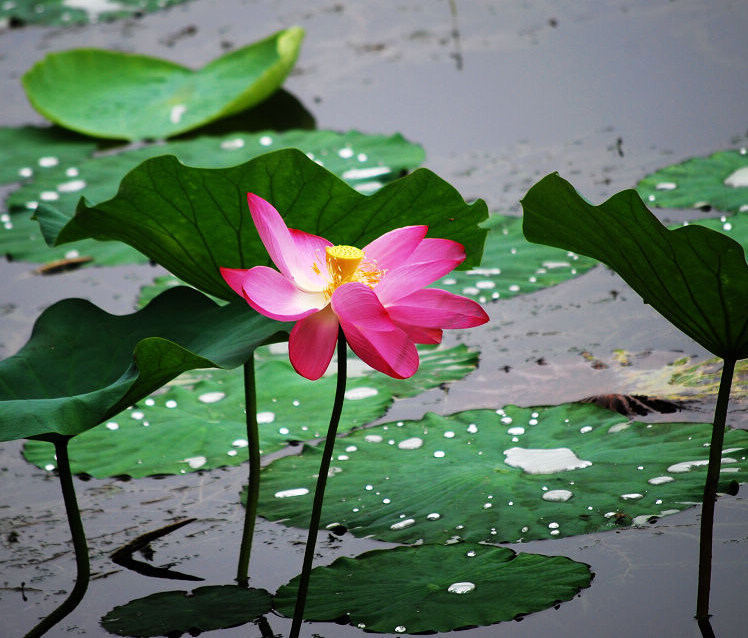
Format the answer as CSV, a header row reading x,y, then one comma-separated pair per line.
x,y
710,493
79,542
319,491
253,484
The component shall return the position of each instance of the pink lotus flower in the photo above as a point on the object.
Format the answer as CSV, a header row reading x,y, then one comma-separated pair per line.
x,y
376,294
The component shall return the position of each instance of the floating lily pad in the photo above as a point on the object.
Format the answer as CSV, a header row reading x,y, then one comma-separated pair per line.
x,y
199,423
118,95
695,277
364,161
719,181
21,240
430,588
62,12
82,366
30,152
513,266
193,220
173,613
502,476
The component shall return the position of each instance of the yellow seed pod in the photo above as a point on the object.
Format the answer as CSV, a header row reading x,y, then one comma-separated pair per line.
x,y
342,261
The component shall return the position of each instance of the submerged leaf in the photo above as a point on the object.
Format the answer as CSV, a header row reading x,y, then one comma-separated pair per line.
x,y
198,424
193,220
82,365
695,277
134,97
434,588
508,475
173,613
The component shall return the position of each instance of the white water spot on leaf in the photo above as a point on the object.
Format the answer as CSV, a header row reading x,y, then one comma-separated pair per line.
x,y
240,443
660,480
366,173
211,397
557,496
738,178
196,462
410,444
373,438
232,145
49,196
345,152
516,431
537,461
686,466
112,426
403,524
464,587
354,394
48,162
177,111
666,186
265,417
171,403
26,171
434,516
618,427
297,491
631,497
556,264
72,186
439,454
137,415
266,140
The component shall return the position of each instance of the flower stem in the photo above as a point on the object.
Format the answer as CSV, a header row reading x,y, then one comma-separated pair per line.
x,y
710,492
79,542
319,491
253,483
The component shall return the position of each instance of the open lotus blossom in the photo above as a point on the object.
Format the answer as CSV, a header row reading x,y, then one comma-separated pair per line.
x,y
375,294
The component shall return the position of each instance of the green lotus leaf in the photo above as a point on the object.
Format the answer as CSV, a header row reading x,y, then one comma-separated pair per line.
x,y
198,423
366,162
64,12
173,613
128,96
508,475
82,366
512,266
695,277
435,588
719,181
193,220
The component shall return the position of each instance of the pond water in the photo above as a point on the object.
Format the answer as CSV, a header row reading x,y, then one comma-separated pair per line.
x,y
499,94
